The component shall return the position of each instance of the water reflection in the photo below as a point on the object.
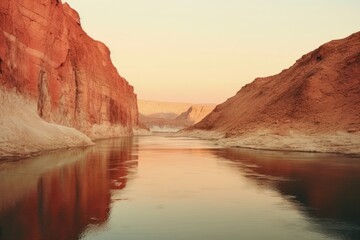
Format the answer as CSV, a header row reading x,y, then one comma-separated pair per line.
x,y
326,188
183,189
61,195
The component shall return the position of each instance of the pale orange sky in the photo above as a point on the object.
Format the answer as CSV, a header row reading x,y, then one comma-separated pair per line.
x,y
206,50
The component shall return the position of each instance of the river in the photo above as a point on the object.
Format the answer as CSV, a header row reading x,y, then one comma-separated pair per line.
x,y
161,187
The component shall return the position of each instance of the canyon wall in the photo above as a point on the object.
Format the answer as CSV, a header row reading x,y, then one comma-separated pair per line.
x,y
49,65
312,106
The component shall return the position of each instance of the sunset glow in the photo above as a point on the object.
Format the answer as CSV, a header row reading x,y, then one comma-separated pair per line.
x,y
205,51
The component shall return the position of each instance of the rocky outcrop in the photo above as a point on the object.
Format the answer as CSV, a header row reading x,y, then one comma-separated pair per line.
x,y
312,106
63,74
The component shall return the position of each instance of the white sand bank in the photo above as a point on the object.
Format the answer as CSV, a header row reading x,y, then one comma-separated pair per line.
x,y
23,132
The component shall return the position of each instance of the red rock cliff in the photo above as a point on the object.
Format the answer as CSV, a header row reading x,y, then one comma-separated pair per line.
x,y
47,58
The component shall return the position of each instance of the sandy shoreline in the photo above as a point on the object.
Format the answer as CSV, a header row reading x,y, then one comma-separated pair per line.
x,y
337,142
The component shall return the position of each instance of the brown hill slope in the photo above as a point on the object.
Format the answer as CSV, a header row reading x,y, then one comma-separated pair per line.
x,y
312,106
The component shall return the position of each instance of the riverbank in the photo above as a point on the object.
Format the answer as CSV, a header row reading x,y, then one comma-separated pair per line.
x,y
337,142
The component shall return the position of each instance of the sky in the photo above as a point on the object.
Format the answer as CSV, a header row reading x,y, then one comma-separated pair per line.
x,y
204,51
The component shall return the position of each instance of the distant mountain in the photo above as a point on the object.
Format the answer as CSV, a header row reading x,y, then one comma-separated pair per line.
x,y
196,113
171,117
312,106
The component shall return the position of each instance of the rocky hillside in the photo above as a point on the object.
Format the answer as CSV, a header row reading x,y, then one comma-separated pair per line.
x,y
49,65
312,106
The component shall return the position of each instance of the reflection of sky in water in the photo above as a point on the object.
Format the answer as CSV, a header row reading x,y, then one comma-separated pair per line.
x,y
161,187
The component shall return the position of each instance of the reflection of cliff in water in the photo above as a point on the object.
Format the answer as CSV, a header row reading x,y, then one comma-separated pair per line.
x,y
324,187
61,195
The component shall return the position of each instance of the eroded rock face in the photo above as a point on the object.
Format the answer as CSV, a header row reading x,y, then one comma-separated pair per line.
x,y
47,57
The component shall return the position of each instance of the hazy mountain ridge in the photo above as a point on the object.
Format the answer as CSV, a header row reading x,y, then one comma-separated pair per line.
x,y
168,116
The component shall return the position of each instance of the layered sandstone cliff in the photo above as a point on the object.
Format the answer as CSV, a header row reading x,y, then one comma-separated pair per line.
x,y
51,70
312,106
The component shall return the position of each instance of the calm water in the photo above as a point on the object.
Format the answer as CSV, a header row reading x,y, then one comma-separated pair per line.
x,y
160,187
